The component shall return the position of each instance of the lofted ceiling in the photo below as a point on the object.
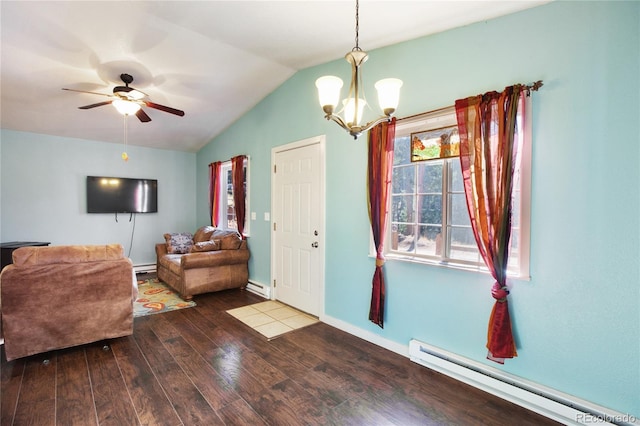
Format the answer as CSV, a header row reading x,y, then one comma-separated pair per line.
x,y
214,60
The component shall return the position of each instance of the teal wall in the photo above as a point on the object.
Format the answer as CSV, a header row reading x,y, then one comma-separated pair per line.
x,y
43,198
577,321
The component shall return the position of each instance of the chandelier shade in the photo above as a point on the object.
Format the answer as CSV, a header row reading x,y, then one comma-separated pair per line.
x,y
126,107
329,88
353,110
388,94
329,92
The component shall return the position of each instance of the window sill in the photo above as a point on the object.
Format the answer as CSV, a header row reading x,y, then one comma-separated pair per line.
x,y
447,265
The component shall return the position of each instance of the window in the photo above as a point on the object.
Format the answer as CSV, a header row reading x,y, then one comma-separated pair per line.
x,y
429,220
227,209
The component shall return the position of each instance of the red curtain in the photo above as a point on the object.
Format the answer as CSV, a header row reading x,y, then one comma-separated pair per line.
x,y
214,192
488,150
381,139
237,181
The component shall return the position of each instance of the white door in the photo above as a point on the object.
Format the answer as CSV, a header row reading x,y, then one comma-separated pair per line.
x,y
298,224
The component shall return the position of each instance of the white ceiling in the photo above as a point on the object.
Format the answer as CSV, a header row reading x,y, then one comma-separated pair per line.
x,y
213,59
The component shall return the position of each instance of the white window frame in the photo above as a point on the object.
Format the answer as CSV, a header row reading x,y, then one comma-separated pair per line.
x,y
225,170
443,118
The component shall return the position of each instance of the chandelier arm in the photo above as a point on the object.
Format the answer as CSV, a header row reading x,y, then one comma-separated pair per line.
x,y
337,119
369,125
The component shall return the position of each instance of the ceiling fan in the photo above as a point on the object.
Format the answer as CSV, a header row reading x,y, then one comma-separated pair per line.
x,y
125,96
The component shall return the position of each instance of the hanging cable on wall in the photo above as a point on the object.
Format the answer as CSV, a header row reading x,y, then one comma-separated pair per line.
x,y
133,230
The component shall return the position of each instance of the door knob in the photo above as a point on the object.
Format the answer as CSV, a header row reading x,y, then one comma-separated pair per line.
x,y
314,244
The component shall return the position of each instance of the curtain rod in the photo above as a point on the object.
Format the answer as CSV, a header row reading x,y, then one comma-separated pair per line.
x,y
533,86
528,87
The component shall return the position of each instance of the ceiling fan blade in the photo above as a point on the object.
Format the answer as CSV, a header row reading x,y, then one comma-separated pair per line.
x,y
85,91
142,116
164,108
95,105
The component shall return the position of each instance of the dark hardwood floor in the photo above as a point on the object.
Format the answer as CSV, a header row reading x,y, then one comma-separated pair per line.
x,y
201,366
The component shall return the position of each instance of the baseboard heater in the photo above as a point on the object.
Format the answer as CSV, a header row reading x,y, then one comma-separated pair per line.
x,y
548,402
144,268
259,289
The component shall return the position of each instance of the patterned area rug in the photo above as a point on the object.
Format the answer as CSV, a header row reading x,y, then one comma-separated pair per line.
x,y
272,318
155,297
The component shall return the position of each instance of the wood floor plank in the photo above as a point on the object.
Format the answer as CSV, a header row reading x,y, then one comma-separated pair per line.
x,y
330,386
149,400
227,365
344,359
299,354
74,401
11,374
213,388
239,413
357,411
37,401
111,399
308,409
187,401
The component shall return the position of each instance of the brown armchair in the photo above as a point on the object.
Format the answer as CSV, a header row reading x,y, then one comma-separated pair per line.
x,y
62,296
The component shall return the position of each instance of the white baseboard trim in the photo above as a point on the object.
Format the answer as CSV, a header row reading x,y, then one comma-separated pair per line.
x,y
367,335
259,289
144,268
548,402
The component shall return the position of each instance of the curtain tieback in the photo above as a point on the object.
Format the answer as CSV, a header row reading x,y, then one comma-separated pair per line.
x,y
379,261
499,292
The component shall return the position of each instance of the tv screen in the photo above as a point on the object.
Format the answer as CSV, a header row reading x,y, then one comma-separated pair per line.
x,y
121,195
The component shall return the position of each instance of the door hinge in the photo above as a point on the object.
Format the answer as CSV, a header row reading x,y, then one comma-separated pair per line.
x,y
274,283
274,226
274,168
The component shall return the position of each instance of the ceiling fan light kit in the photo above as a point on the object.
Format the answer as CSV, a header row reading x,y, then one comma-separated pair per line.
x,y
353,107
125,107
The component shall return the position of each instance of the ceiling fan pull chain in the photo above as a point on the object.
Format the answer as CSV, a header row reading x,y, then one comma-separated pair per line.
x,y
125,156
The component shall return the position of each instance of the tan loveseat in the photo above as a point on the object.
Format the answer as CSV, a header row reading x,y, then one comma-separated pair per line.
x,y
212,259
62,296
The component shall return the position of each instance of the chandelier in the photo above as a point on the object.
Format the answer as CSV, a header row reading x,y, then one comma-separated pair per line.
x,y
352,108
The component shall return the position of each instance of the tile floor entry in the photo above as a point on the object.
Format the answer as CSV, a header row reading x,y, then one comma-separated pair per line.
x,y
272,318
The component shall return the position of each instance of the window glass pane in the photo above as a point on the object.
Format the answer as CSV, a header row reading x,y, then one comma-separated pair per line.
x,y
231,213
455,175
403,237
515,209
458,212
430,209
463,245
429,240
402,208
404,180
429,176
401,151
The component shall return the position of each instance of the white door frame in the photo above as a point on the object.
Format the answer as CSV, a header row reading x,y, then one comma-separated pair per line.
x,y
320,140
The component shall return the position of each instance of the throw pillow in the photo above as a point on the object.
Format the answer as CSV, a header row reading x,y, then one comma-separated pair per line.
x,y
179,243
203,246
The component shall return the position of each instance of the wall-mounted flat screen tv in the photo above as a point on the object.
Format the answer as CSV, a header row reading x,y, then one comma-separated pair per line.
x,y
121,195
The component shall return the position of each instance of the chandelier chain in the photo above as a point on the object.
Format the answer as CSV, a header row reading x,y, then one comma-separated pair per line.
x,y
357,47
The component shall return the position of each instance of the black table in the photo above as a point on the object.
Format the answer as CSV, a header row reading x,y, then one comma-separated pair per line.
x,y
6,249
